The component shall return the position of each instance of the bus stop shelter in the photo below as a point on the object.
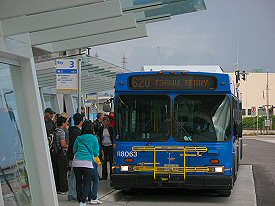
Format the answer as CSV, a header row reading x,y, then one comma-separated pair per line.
x,y
32,28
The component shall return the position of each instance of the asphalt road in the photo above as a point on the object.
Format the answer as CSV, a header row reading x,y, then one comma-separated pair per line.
x,y
260,153
254,186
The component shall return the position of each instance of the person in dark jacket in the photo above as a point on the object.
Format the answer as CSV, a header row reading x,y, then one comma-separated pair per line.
x,y
106,136
49,123
98,122
74,132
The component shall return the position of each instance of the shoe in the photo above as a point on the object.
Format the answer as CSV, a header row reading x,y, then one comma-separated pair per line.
x,y
62,193
82,204
71,198
95,202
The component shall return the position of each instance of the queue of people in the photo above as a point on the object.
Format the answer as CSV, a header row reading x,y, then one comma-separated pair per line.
x,y
77,152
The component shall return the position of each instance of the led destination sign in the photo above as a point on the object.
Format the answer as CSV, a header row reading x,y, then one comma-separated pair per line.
x,y
172,82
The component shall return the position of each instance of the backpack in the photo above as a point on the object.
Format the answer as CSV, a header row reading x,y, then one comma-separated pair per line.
x,y
54,149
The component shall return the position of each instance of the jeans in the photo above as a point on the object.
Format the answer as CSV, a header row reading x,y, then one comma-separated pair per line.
x,y
83,182
71,185
95,179
108,155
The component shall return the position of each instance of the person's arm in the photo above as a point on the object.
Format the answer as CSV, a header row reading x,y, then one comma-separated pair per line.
x,y
95,147
111,133
75,146
63,140
63,144
112,130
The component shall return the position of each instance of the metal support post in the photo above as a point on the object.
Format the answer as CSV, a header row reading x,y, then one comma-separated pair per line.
x,y
267,103
1,196
97,102
253,125
79,85
257,124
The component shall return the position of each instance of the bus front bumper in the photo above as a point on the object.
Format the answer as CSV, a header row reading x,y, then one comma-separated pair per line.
x,y
131,181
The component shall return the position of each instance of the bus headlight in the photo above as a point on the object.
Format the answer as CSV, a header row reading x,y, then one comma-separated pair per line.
x,y
216,169
124,168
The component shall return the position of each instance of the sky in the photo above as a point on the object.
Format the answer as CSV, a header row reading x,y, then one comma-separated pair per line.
x,y
208,37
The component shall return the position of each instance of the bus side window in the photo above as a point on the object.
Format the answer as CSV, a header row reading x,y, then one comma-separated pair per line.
x,y
237,125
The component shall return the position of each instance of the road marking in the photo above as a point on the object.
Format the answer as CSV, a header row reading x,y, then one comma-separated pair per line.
x,y
268,140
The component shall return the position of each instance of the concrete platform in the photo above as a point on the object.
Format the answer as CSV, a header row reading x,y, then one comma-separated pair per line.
x,y
243,194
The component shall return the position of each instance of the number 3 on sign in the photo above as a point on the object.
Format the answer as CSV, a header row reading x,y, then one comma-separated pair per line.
x,y
71,64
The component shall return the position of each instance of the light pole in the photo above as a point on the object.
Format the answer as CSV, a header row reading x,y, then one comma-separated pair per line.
x,y
159,55
267,104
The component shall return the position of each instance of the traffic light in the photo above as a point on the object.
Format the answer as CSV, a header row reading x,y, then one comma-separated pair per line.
x,y
237,74
271,110
243,75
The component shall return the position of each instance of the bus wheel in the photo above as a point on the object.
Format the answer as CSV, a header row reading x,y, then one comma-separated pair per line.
x,y
224,193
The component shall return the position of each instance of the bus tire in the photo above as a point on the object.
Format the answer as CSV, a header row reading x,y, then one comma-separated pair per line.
x,y
224,193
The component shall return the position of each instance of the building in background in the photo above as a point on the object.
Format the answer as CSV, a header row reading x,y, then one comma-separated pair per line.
x,y
253,92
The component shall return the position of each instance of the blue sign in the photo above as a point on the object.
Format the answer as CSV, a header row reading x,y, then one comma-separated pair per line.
x,y
66,71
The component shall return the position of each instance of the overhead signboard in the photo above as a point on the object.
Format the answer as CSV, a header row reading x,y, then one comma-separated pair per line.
x,y
172,82
66,76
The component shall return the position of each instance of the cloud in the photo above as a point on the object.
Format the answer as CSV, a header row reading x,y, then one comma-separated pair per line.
x,y
206,37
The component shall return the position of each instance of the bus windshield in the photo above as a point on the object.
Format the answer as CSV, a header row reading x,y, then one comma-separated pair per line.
x,y
201,118
143,117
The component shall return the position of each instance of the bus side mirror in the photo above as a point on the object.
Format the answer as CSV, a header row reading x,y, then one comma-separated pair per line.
x,y
107,107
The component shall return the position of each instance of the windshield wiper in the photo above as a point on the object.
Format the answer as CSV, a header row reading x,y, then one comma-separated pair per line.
x,y
162,126
145,124
159,129
187,134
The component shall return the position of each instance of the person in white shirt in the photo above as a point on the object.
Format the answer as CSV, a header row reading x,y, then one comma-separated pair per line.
x,y
105,135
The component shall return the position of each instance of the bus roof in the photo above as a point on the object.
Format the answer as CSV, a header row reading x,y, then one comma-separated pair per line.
x,y
190,68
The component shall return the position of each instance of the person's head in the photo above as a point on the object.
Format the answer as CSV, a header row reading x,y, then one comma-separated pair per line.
x,y
64,114
83,111
111,116
78,119
100,117
62,122
55,117
87,128
49,113
106,122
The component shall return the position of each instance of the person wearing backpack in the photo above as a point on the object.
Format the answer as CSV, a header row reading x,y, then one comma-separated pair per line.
x,y
49,123
86,147
60,161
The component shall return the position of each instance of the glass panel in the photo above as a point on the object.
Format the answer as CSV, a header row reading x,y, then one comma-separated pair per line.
x,y
243,111
13,174
75,102
143,117
201,118
49,101
249,111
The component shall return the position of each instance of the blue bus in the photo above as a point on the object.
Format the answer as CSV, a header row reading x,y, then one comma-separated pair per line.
x,y
176,129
